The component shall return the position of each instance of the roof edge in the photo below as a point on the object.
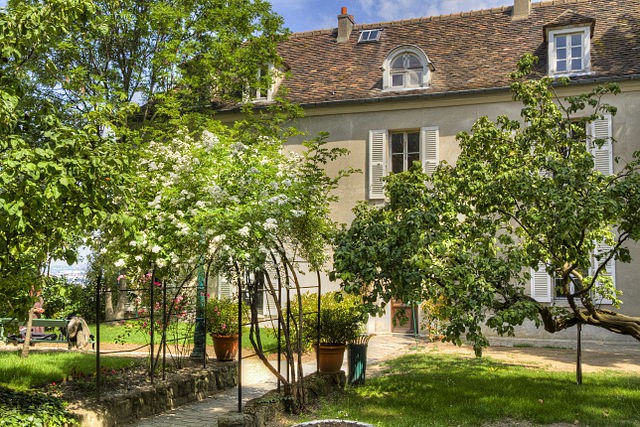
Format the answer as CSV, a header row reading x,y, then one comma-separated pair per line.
x,y
467,92
500,9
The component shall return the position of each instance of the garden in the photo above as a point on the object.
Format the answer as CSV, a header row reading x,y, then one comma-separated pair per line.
x,y
109,140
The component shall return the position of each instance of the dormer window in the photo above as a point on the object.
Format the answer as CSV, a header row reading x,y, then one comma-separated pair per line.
x,y
262,93
369,36
569,51
406,67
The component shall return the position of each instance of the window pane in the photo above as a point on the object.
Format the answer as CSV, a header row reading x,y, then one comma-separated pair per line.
x,y
413,62
576,39
576,64
412,157
414,78
397,63
373,35
397,163
413,142
397,80
576,52
561,53
561,66
397,143
561,41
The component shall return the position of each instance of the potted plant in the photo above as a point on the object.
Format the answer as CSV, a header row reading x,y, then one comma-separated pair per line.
x,y
222,324
342,319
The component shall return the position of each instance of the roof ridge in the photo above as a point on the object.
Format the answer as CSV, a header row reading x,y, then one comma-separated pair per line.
x,y
490,11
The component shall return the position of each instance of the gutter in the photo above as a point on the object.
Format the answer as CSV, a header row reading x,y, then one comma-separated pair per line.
x,y
456,93
461,93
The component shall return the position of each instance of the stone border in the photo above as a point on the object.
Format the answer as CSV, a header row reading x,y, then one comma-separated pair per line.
x,y
125,408
260,411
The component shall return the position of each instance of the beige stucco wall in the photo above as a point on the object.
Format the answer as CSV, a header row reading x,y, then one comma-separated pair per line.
x,y
348,126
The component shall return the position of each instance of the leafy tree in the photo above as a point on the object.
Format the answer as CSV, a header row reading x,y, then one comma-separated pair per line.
x,y
137,72
58,181
519,197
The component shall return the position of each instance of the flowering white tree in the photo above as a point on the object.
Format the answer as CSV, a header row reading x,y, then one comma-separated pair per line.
x,y
231,200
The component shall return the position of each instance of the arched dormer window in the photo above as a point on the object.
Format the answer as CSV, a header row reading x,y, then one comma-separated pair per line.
x,y
406,67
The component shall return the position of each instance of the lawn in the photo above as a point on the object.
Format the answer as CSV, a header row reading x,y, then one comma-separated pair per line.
x,y
114,333
438,390
45,368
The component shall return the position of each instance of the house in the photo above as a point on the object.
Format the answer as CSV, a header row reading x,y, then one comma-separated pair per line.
x,y
395,92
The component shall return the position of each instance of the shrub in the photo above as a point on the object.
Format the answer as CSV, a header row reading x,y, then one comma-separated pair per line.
x,y
32,409
342,318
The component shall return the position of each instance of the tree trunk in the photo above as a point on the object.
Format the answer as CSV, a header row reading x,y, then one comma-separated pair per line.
x,y
602,318
123,299
27,339
108,306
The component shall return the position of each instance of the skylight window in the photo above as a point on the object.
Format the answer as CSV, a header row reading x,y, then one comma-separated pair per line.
x,y
369,36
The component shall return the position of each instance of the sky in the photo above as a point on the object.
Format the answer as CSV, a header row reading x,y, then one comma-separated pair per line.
x,y
306,15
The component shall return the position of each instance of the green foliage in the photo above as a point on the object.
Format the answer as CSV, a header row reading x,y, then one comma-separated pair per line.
x,y
342,318
438,390
19,408
63,299
222,316
59,180
519,195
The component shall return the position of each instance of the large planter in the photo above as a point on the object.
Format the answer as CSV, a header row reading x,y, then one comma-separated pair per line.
x,y
330,358
225,346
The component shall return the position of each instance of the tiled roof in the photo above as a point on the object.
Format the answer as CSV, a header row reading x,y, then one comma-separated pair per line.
x,y
470,50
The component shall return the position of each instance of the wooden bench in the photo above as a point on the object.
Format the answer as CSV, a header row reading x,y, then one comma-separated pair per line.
x,y
61,324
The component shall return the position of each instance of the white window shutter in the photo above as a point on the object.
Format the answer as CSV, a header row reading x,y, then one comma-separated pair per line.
x,y
602,156
224,288
429,141
540,284
610,268
269,304
377,163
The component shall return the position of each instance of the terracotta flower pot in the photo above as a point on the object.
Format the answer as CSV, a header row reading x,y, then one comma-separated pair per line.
x,y
330,358
225,346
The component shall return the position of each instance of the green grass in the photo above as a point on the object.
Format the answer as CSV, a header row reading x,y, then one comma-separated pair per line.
x,y
45,368
110,332
434,390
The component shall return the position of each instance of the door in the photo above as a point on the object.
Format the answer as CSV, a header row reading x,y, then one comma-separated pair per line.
x,y
402,318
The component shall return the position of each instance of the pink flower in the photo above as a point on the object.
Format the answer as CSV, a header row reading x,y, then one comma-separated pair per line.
x,y
120,277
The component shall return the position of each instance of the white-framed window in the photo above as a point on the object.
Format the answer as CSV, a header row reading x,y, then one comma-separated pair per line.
x,y
569,51
406,67
260,94
543,286
393,151
369,35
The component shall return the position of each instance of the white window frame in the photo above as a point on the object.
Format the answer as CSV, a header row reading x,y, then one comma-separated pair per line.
x,y
585,33
380,155
369,32
260,95
427,67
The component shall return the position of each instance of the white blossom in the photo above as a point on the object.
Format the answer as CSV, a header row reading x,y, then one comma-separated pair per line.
x,y
156,249
119,263
270,224
244,231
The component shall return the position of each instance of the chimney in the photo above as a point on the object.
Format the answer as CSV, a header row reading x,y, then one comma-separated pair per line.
x,y
345,25
521,9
